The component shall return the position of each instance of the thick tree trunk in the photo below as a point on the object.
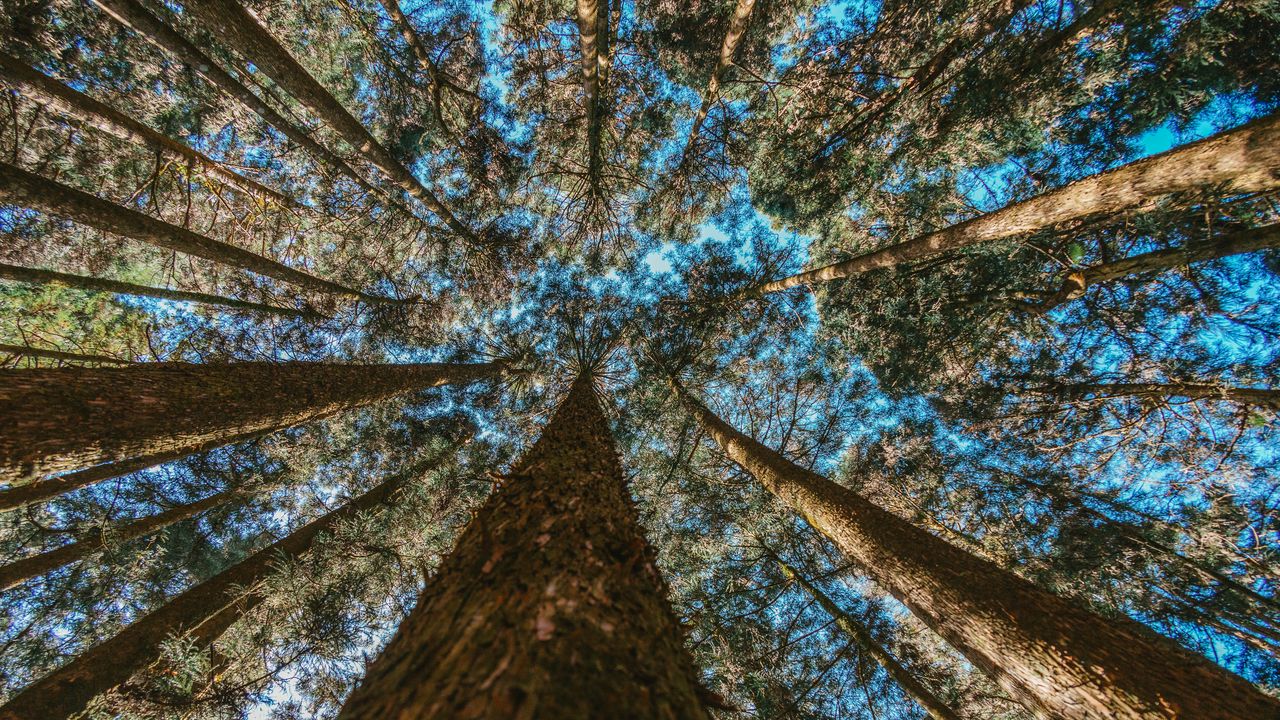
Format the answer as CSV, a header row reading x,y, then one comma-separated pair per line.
x,y
86,111
203,613
1246,159
19,187
19,571
593,32
34,276
1056,658
1075,392
239,30
1244,241
550,607
64,419
133,15
728,50
916,690
60,355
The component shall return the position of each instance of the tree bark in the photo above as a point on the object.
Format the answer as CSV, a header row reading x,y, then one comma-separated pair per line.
x,y
728,50
1070,392
1246,159
60,355
34,276
19,571
1056,658
41,490
19,187
239,30
593,32
916,690
65,419
133,15
84,110
549,607
202,613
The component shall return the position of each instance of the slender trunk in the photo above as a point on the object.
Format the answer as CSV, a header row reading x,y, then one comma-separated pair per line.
x,y
593,31
239,30
70,418
916,690
133,15
25,189
60,355
85,110
728,50
439,79
202,613
1237,243
549,607
41,490
19,571
1074,392
1246,159
1056,658
33,276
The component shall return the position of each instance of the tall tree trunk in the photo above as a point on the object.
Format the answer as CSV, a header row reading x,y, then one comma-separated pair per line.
x,y
1156,261
85,110
34,276
440,80
728,50
239,30
1073,392
916,690
19,187
65,419
593,32
60,355
1246,159
202,613
23,495
1056,658
19,571
133,15
549,607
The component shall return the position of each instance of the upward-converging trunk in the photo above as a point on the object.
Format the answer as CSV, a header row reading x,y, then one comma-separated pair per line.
x,y
550,607
202,613
1076,392
593,33
64,419
61,355
728,50
1053,656
237,28
1246,159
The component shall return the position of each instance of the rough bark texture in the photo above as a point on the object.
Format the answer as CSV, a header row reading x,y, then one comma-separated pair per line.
x,y
1246,159
1071,392
239,30
19,571
85,110
34,276
203,613
728,50
65,419
60,355
133,15
550,607
916,690
1053,656
19,187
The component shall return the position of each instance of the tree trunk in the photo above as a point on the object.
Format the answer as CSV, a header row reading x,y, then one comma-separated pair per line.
x,y
1073,392
440,80
19,571
549,607
1237,243
60,355
64,419
134,16
239,30
916,690
1246,159
203,613
19,187
728,50
593,32
33,276
1056,658
41,490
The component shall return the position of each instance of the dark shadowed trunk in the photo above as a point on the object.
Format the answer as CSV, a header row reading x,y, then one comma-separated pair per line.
x,y
1246,159
1084,392
65,419
916,690
1053,656
202,613
34,276
41,490
728,50
550,607
61,355
19,187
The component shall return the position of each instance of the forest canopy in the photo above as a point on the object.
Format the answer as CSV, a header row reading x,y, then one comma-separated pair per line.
x,y
640,359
